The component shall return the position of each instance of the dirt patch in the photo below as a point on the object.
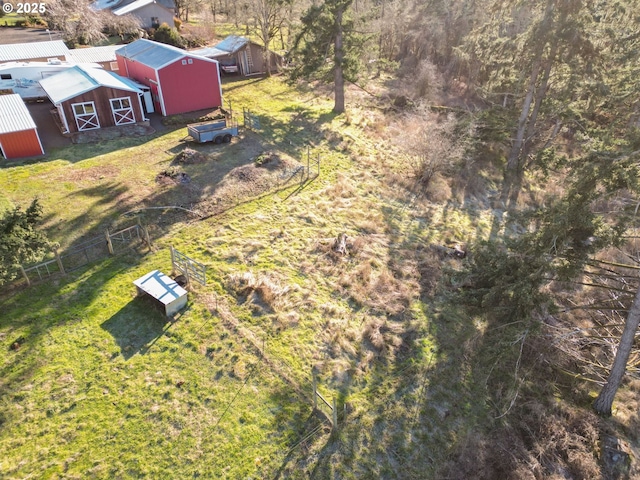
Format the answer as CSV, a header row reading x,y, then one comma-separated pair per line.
x,y
92,174
173,175
111,133
198,116
189,156
248,181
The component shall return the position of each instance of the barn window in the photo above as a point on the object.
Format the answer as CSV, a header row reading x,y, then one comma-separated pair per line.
x,y
190,61
86,116
122,111
184,62
113,66
5,76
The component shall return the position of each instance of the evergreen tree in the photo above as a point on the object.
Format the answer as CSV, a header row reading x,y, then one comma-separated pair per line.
x,y
20,241
327,47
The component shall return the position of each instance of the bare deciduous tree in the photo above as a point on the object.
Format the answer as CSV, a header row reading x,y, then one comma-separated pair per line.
x,y
270,16
76,20
428,140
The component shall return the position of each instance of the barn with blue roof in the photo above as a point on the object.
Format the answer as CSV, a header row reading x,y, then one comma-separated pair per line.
x,y
180,82
90,98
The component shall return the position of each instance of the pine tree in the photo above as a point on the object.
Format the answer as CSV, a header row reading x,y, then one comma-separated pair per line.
x,y
20,241
327,47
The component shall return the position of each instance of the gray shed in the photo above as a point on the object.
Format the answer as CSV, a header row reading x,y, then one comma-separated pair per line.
x,y
165,291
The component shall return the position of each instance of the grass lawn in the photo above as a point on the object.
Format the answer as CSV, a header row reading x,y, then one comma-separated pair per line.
x,y
11,19
103,387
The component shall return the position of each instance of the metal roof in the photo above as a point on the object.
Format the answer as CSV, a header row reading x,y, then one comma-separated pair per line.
x,y
160,286
78,80
232,43
153,54
102,4
14,116
94,54
210,52
25,51
132,7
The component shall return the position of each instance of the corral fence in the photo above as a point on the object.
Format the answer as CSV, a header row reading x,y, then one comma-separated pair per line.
x,y
312,170
251,120
188,267
81,254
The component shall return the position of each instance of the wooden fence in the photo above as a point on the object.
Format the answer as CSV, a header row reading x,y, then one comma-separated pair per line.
x,y
81,254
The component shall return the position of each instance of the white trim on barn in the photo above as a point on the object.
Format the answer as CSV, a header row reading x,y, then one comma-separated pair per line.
x,y
88,119
160,96
122,110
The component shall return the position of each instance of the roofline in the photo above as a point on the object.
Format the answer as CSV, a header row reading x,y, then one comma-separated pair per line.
x,y
93,87
184,53
141,6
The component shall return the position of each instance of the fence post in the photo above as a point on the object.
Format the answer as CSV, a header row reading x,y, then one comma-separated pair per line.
x,y
109,244
315,390
24,274
146,237
335,413
59,260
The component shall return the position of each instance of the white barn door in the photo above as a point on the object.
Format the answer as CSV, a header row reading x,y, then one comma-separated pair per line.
x,y
122,111
86,116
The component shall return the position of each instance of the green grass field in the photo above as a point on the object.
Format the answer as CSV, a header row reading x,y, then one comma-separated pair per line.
x,y
102,387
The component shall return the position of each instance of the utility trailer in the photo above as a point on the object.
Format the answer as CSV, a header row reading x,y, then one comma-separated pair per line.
x,y
217,132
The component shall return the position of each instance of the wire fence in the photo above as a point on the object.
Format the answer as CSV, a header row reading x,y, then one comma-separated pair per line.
x,y
86,252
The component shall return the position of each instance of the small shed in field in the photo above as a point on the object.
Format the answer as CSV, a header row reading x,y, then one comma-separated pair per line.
x,y
91,98
240,55
179,81
163,290
18,132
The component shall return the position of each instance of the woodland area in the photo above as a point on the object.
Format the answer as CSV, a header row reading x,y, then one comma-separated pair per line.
x,y
543,95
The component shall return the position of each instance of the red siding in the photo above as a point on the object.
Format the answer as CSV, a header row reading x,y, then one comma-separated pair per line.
x,y
190,87
21,144
184,88
140,73
135,70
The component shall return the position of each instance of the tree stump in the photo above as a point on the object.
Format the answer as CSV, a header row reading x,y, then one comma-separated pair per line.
x,y
340,245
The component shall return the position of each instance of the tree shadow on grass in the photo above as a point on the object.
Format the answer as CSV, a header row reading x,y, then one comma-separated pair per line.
x,y
136,327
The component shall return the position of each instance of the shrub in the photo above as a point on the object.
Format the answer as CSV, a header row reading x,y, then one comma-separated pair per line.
x,y
168,35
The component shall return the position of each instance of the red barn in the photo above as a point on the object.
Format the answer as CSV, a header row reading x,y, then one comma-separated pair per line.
x,y
18,135
179,81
